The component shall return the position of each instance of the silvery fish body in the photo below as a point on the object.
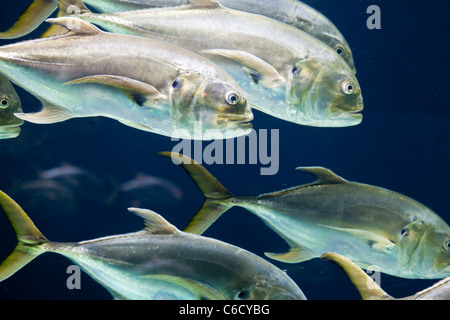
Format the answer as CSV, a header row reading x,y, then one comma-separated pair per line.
x,y
370,290
9,104
146,84
159,262
285,72
369,225
292,12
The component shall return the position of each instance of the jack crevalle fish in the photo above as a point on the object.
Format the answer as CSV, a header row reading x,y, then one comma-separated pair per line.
x,y
145,84
159,262
292,12
370,290
284,71
369,225
9,104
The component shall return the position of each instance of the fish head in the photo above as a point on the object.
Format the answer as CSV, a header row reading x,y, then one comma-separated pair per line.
x,y
425,250
324,30
9,104
341,47
274,286
324,94
218,105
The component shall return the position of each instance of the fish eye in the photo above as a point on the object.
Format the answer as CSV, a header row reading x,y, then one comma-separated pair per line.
x,y
4,103
232,97
404,232
176,84
348,87
243,294
446,244
339,49
294,70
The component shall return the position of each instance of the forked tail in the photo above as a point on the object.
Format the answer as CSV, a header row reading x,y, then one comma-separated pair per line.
x,y
28,236
66,8
30,19
215,193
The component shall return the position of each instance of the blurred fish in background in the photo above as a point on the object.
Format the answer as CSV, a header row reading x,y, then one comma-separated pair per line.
x,y
149,191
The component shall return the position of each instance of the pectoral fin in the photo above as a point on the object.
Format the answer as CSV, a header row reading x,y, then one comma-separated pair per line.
x,y
296,254
260,71
140,92
48,114
202,290
210,4
33,16
376,241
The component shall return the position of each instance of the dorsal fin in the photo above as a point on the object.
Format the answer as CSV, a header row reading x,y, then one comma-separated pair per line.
x,y
211,4
75,25
154,223
323,175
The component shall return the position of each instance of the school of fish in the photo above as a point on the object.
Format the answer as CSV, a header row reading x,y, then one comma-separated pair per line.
x,y
159,66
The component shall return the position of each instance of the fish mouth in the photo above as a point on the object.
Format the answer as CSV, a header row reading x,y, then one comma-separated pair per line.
x,y
10,131
353,114
232,120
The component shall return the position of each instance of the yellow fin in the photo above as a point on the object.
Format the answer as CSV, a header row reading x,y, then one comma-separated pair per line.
x,y
28,236
368,288
32,17
294,255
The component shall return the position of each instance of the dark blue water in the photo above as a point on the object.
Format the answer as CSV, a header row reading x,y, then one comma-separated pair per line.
x,y
402,144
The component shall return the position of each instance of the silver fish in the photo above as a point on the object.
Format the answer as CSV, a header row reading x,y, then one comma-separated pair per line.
x,y
9,104
285,72
159,262
292,12
367,224
370,290
146,84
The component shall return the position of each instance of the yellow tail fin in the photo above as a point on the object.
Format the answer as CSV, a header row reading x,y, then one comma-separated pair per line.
x,y
32,18
28,236
215,193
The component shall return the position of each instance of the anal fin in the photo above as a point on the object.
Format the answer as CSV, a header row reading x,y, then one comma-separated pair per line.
x,y
295,254
48,114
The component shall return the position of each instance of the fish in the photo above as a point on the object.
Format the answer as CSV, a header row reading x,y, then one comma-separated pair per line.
x,y
292,12
145,188
145,84
9,104
285,72
369,225
370,290
158,262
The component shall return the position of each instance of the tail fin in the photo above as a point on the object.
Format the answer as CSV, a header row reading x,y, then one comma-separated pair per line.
x,y
215,193
32,18
28,236
66,8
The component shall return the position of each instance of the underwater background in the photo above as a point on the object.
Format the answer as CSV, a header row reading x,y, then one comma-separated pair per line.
x,y
402,144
